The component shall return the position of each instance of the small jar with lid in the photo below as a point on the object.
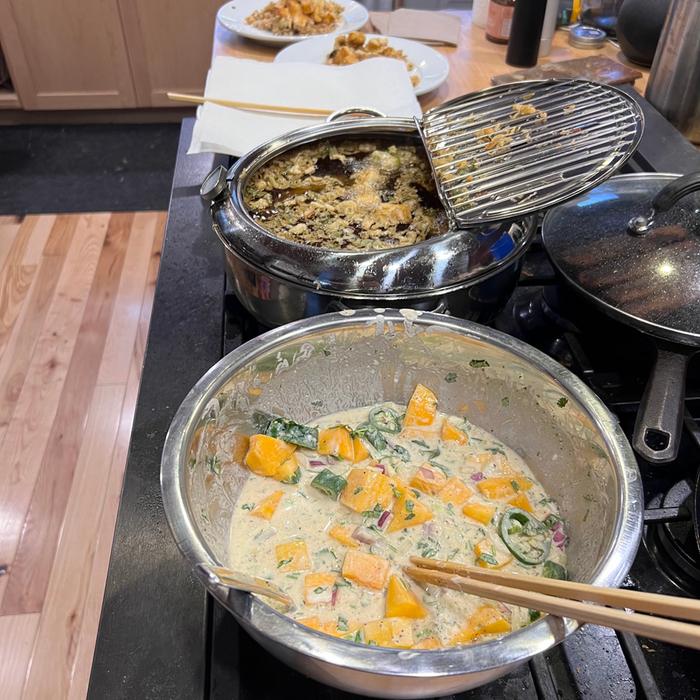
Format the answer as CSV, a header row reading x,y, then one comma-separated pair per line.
x,y
499,20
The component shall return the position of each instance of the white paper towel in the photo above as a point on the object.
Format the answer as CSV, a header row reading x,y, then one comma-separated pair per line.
x,y
381,83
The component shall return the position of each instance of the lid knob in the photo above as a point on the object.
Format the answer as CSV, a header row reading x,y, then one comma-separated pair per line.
x,y
663,201
214,185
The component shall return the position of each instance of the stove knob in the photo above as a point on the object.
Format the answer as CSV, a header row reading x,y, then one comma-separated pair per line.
x,y
215,185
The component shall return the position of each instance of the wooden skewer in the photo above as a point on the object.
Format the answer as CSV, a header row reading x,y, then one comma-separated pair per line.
x,y
673,631
252,106
666,605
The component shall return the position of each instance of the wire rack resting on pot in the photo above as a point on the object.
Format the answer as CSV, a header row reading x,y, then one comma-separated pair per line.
x,y
518,148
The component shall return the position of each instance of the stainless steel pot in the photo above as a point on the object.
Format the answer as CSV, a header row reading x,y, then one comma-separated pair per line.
x,y
469,273
337,361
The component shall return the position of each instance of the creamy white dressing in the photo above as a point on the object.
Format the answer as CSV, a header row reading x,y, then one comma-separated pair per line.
x,y
306,513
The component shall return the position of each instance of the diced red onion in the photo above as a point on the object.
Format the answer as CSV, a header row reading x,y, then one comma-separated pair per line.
x,y
364,535
503,608
334,597
383,518
429,529
558,537
478,476
317,463
427,473
381,467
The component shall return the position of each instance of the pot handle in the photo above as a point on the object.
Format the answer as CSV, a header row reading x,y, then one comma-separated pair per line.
x,y
664,200
215,185
657,430
349,111
676,190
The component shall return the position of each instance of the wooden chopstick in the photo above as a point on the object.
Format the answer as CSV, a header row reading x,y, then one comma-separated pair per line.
x,y
251,106
673,631
666,605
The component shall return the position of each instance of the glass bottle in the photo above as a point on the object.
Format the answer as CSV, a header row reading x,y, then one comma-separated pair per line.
x,y
499,20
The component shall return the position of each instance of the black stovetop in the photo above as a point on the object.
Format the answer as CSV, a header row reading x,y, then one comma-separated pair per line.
x,y
161,637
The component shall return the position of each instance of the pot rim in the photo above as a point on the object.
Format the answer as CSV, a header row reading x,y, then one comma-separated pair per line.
x,y
515,648
452,258
378,297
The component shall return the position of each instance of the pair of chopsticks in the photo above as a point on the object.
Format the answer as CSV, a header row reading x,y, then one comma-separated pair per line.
x,y
250,106
563,598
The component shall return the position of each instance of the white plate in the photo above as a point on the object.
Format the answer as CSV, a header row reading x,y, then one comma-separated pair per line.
x,y
431,67
232,15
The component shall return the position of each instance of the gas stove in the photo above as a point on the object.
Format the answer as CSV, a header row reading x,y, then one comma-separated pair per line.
x,y
615,362
192,647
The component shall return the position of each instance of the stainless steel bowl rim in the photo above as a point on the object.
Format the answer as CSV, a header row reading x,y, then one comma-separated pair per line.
x,y
453,258
515,648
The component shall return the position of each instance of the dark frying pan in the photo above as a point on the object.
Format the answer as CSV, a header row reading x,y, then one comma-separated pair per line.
x,y
632,246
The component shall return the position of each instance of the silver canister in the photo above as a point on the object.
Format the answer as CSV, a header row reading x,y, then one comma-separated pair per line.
x,y
674,81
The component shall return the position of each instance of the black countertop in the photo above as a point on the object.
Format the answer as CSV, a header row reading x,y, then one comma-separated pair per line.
x,y
152,636
159,635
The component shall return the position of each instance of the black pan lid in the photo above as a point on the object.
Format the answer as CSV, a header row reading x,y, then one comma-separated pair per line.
x,y
643,270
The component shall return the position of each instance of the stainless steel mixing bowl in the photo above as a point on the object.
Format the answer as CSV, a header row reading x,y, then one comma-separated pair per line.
x,y
316,366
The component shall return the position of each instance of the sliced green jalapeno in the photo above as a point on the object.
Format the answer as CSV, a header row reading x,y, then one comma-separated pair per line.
x,y
385,419
526,537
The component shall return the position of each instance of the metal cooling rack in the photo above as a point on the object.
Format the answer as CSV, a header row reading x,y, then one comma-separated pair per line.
x,y
515,149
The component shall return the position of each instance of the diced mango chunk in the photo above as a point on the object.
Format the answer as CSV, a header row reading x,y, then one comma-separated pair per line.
x,y
267,507
360,452
408,512
421,408
455,491
287,470
401,601
366,569
365,489
336,627
520,500
343,535
450,433
266,454
318,588
502,487
428,643
393,632
292,556
481,512
428,479
485,620
489,557
337,442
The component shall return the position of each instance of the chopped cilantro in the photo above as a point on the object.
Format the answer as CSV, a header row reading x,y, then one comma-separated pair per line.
x,y
562,402
375,512
342,624
505,401
489,559
515,485
283,562
534,615
478,363
213,463
248,506
319,589
451,377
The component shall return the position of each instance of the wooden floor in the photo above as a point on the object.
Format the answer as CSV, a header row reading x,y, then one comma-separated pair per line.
x,y
76,293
